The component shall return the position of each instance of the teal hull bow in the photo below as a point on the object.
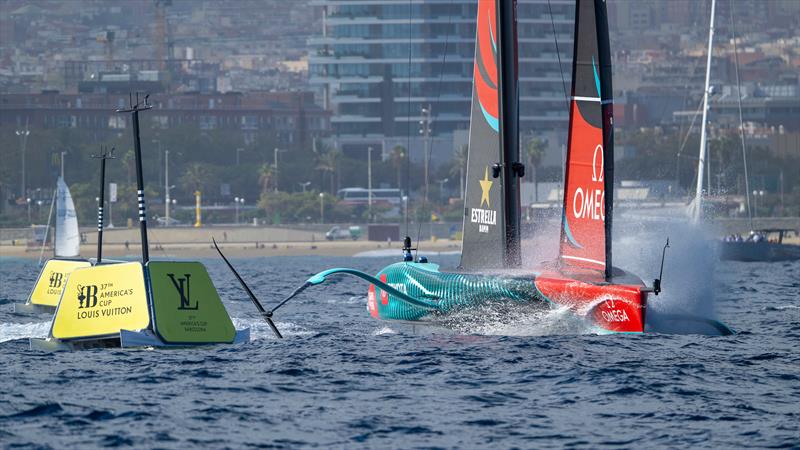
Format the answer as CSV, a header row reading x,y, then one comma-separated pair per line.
x,y
411,291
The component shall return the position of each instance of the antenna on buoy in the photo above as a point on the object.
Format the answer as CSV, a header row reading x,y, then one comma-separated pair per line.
x,y
103,156
137,147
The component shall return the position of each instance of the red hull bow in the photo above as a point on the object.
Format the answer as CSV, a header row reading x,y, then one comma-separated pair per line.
x,y
614,307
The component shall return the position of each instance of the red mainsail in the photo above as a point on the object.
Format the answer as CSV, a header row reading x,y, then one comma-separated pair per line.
x,y
588,181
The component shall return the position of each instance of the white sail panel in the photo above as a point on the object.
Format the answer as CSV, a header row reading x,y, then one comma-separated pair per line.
x,y
68,239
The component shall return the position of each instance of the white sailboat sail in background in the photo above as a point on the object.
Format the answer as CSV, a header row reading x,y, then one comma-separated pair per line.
x,y
46,293
68,239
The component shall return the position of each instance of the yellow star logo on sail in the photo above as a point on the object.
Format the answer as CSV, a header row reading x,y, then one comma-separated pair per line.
x,y
486,185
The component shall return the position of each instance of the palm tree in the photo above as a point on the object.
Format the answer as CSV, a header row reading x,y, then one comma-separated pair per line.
x,y
535,151
397,156
459,165
328,162
265,175
195,177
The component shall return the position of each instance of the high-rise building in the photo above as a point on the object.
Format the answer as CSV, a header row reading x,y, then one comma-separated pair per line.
x,y
378,63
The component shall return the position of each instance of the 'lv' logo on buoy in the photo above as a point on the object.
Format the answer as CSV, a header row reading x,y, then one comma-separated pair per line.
x,y
182,286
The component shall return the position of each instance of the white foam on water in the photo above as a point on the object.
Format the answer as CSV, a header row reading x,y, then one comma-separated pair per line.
x,y
557,321
13,331
354,300
260,330
498,319
384,330
782,307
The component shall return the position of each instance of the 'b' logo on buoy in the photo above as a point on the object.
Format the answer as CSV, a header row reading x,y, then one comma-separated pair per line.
x,y
87,296
55,279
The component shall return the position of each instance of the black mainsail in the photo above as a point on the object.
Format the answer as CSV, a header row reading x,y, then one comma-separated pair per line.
x,y
491,209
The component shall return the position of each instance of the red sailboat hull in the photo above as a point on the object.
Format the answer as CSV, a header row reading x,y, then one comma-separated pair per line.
x,y
613,307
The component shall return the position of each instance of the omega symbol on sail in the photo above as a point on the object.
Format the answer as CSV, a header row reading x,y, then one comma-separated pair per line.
x,y
597,173
182,286
589,202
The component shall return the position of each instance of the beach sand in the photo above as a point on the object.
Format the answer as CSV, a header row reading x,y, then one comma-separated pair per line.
x,y
237,249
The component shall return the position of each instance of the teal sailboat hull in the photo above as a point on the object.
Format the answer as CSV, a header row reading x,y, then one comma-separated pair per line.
x,y
444,292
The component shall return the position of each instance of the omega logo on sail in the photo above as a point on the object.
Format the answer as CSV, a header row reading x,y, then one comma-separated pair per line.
x,y
589,203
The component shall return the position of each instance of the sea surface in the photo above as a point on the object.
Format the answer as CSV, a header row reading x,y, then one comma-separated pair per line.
x,y
341,379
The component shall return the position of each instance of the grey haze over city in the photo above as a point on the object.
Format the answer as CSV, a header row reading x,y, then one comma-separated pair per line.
x,y
252,97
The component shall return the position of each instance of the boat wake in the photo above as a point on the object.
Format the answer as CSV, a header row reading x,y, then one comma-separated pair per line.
x,y
383,330
687,302
688,281
14,331
780,307
259,330
504,319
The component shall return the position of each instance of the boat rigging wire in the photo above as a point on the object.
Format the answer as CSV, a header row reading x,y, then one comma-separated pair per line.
x,y
558,54
47,230
692,67
741,119
408,124
683,145
428,148
691,126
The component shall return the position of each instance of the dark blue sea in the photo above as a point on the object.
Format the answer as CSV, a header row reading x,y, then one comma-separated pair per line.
x,y
341,379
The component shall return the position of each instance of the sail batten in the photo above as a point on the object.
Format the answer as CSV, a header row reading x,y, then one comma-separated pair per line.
x,y
67,239
588,181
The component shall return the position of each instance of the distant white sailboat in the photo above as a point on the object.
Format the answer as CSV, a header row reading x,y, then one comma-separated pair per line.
x,y
68,238
50,284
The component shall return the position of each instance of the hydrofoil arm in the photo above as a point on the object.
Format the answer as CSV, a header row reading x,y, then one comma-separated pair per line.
x,y
322,277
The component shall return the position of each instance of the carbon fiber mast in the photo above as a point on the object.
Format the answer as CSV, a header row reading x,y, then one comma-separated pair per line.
x,y
513,170
607,103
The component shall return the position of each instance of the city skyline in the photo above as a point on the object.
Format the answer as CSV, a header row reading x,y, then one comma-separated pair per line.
x,y
344,67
